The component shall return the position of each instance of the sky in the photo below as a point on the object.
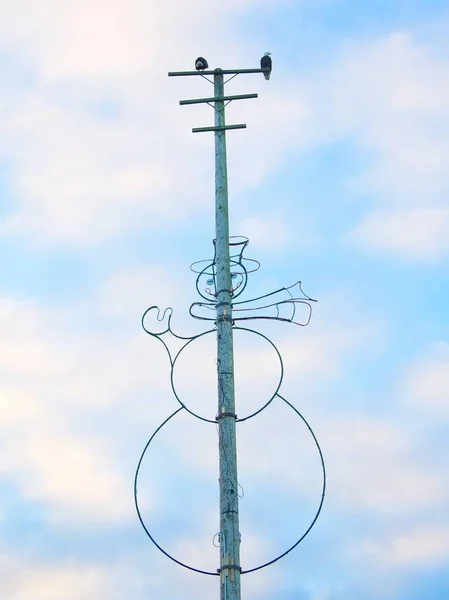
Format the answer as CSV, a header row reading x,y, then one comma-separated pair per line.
x,y
340,180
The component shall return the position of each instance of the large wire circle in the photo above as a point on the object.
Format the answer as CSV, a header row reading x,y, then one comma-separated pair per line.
x,y
266,564
323,493
136,502
246,417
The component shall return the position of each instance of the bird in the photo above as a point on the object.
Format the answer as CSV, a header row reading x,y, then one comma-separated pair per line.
x,y
201,64
265,65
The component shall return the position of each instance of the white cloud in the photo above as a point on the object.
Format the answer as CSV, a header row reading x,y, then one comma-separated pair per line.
x,y
375,467
34,577
392,95
70,582
72,473
268,229
127,293
419,234
420,547
273,231
17,405
79,177
100,41
426,381
26,346
389,97
56,382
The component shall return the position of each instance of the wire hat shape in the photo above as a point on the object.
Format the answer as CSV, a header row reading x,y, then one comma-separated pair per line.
x,y
240,267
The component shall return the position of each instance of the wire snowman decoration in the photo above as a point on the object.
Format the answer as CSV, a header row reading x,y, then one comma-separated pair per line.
x,y
280,305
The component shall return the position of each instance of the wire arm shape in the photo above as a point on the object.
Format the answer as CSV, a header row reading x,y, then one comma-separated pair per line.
x,y
291,302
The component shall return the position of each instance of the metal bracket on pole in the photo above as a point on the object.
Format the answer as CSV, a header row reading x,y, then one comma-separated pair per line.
x,y
226,414
226,567
214,72
222,99
219,99
220,128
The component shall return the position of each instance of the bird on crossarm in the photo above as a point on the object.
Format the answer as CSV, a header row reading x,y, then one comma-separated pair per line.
x,y
266,65
201,64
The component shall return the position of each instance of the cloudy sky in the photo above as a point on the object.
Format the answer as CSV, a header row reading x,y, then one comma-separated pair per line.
x,y
340,180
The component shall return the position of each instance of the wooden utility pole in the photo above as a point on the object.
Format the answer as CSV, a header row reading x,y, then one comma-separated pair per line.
x,y
229,536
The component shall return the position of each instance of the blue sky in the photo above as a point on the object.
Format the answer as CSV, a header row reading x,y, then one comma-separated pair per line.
x,y
340,180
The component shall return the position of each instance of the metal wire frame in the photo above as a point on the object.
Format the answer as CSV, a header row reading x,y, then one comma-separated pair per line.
x,y
191,339
236,261
237,307
240,273
281,375
263,565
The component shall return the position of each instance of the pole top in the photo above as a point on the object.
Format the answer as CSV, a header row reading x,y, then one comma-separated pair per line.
x,y
217,71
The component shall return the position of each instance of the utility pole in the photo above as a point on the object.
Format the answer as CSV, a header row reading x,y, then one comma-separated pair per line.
x,y
229,535
223,300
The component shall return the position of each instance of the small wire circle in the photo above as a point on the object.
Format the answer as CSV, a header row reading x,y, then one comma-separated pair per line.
x,y
246,417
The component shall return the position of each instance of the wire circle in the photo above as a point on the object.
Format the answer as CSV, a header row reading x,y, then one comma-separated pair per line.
x,y
245,418
136,503
266,564
323,493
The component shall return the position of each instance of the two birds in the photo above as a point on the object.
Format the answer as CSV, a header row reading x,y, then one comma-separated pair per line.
x,y
201,64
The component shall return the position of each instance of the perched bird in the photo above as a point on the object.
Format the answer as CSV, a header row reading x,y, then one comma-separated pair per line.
x,y
201,64
265,65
